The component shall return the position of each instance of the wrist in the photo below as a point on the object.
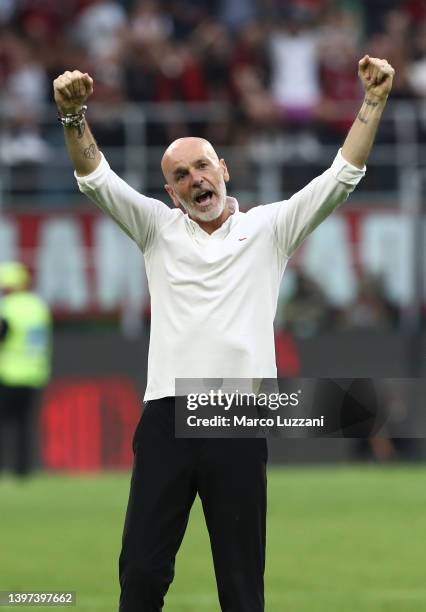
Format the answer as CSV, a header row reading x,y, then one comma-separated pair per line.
x,y
374,100
74,120
63,111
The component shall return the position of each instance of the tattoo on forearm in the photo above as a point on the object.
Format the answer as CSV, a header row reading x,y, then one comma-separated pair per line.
x,y
81,129
90,151
370,102
362,119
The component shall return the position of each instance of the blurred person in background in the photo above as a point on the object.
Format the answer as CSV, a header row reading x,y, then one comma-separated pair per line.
x,y
100,27
295,66
25,356
251,77
339,40
307,312
370,308
214,275
23,94
213,43
416,69
295,78
181,79
394,38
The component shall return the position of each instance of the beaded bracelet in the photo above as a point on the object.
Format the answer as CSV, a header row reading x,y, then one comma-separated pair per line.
x,y
72,119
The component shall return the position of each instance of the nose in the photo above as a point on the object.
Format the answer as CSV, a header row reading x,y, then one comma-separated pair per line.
x,y
197,177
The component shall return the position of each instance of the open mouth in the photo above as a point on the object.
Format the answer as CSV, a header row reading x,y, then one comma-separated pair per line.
x,y
204,198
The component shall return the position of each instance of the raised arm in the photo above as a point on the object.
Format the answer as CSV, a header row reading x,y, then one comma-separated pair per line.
x,y
71,91
376,76
139,216
295,219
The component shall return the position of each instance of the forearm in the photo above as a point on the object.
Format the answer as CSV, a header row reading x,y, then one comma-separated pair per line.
x,y
82,149
360,138
71,91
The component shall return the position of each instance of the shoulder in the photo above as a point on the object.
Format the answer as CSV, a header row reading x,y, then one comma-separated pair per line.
x,y
168,215
32,300
264,213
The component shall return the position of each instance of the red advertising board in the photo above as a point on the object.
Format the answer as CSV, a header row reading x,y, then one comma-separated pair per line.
x,y
87,424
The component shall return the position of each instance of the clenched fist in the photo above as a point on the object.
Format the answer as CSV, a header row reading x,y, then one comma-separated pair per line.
x,y
376,76
71,90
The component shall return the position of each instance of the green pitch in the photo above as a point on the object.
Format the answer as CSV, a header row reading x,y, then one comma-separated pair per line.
x,y
339,540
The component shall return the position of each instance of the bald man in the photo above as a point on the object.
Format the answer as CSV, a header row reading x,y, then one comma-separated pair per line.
x,y
214,275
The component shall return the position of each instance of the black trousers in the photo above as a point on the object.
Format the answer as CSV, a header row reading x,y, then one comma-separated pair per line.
x,y
17,417
229,475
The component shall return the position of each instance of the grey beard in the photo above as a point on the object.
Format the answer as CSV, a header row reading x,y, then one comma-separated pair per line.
x,y
210,215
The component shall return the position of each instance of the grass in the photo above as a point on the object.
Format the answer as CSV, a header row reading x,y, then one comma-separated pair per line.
x,y
348,539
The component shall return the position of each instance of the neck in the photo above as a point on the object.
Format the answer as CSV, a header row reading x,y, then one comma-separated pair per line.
x,y
212,226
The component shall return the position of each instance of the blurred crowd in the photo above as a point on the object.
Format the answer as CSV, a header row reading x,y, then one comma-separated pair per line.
x,y
307,310
281,68
275,63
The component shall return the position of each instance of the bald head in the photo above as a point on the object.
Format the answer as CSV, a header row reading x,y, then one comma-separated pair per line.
x,y
182,151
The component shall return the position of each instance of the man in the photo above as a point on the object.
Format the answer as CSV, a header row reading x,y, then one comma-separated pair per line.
x,y
214,275
25,350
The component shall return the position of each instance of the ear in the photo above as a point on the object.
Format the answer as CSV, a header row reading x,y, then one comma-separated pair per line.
x,y
172,195
225,170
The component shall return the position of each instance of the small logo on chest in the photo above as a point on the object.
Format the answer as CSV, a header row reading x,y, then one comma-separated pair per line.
x,y
243,238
